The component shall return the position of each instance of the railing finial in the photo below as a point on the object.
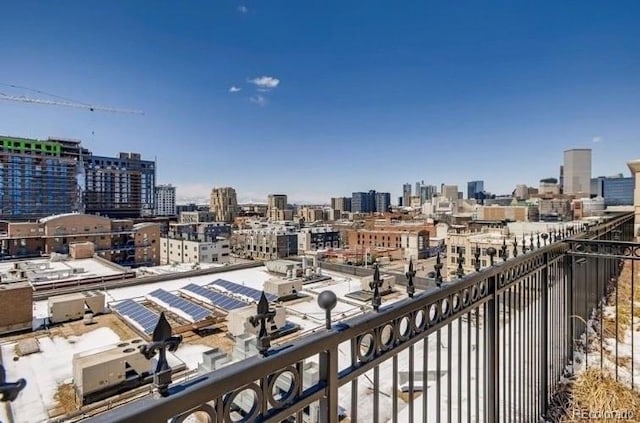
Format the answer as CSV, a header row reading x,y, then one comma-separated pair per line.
x,y
503,251
492,253
476,254
10,390
411,289
161,341
376,300
264,315
515,247
460,270
544,238
327,301
538,242
531,241
438,269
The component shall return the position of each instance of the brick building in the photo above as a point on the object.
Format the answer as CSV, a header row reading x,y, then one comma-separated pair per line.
x,y
414,244
16,307
118,240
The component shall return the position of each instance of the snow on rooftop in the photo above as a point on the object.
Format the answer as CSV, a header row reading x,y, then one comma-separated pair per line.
x,y
91,267
170,268
254,278
56,216
46,370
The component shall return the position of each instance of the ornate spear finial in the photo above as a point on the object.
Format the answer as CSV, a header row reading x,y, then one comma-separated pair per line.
x,y
438,268
376,300
460,270
504,252
161,341
411,289
476,254
265,315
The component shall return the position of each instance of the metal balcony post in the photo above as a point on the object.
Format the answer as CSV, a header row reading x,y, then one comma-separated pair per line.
x,y
329,374
543,343
492,350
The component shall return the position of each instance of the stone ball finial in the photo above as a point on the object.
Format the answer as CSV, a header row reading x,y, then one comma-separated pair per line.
x,y
491,251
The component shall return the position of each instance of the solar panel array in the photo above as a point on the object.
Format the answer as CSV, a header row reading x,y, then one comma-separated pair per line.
x,y
242,290
144,317
218,300
194,311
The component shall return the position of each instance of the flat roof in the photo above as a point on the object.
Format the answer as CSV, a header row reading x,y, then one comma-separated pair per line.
x,y
92,267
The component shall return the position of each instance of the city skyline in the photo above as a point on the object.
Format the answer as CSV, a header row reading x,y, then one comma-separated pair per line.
x,y
291,93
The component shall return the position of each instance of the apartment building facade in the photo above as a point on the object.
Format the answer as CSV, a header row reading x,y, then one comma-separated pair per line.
x,y
120,187
319,238
266,244
117,240
413,244
165,200
181,251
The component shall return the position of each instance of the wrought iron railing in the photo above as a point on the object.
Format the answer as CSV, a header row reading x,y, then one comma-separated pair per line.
x,y
490,346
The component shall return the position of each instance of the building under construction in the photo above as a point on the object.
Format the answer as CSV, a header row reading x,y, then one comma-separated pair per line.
x,y
40,178
57,176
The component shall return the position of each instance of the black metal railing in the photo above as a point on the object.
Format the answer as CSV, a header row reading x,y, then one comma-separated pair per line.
x,y
489,346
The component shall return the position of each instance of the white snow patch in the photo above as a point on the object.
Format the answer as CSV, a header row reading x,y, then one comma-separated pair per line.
x,y
46,370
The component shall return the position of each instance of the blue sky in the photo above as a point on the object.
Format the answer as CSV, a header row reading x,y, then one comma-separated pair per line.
x,y
335,96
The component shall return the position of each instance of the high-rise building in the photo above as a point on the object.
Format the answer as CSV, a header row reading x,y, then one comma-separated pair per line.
x,y
120,187
577,171
383,202
450,192
276,206
427,192
224,204
342,204
165,200
363,202
406,193
40,178
418,185
522,192
277,201
474,188
616,190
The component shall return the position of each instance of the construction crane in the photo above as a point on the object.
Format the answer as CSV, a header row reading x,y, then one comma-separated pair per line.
x,y
89,107
65,102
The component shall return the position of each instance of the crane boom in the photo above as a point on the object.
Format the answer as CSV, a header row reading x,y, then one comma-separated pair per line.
x,y
68,104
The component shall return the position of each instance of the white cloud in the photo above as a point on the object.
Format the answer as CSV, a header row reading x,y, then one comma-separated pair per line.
x,y
234,89
258,99
243,9
193,193
265,82
598,139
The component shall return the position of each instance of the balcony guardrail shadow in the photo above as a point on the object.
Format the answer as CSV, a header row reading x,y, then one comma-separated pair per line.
x,y
490,346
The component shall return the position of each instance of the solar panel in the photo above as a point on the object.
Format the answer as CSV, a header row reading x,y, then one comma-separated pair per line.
x,y
194,311
141,315
219,300
242,290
